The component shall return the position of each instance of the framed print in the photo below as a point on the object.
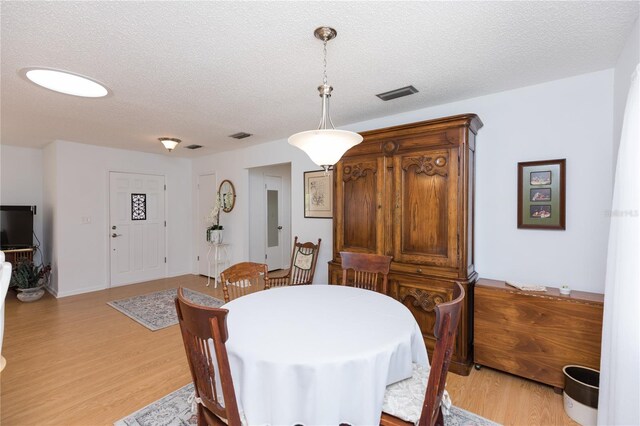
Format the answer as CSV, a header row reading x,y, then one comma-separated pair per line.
x,y
318,194
541,194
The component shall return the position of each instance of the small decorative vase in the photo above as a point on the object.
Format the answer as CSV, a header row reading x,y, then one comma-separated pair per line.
x,y
30,294
216,236
565,290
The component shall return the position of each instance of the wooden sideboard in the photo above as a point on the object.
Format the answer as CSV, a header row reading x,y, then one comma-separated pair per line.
x,y
535,334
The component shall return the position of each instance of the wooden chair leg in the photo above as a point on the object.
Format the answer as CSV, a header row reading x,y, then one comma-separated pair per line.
x,y
202,419
440,419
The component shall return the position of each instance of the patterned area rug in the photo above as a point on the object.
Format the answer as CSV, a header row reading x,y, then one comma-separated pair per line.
x,y
175,410
158,310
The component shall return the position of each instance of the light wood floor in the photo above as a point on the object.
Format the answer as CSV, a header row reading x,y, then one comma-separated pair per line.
x,y
77,361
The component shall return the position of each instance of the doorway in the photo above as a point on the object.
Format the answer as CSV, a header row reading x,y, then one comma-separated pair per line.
x,y
274,249
270,215
137,227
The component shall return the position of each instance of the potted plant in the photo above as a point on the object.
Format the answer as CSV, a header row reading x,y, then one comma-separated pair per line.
x,y
29,279
214,231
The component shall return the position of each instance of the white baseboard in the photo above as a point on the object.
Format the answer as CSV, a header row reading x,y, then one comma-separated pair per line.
x,y
75,292
83,290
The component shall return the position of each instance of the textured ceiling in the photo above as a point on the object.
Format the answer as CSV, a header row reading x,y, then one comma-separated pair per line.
x,y
201,71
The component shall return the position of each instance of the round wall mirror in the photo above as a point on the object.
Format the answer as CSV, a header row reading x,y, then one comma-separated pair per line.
x,y
227,195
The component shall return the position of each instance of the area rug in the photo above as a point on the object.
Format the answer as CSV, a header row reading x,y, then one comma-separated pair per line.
x,y
175,410
158,310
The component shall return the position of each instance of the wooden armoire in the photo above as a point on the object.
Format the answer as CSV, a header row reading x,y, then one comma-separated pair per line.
x,y
408,192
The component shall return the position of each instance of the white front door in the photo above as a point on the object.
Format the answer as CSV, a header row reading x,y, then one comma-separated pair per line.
x,y
136,227
273,238
207,190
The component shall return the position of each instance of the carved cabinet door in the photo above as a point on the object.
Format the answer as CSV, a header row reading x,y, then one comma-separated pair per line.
x,y
358,214
425,226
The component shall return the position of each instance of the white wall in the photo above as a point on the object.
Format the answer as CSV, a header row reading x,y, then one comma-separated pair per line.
x,y
569,118
50,189
625,66
21,183
235,165
82,180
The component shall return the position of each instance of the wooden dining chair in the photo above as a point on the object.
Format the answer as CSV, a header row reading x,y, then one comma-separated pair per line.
x,y
243,278
215,395
302,268
408,402
370,271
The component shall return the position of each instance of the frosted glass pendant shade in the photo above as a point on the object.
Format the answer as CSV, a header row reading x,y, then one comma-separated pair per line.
x,y
169,143
325,146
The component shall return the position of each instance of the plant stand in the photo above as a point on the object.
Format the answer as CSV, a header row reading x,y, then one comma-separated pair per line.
x,y
220,257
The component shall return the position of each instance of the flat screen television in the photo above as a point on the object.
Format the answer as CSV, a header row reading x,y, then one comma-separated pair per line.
x,y
16,227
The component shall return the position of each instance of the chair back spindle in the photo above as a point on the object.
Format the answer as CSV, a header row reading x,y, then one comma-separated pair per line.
x,y
243,278
370,271
302,268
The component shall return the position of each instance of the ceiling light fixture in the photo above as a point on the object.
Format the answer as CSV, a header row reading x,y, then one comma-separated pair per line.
x,y
169,143
66,82
325,145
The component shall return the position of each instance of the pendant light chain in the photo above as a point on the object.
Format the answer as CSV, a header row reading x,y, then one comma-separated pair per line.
x,y
324,77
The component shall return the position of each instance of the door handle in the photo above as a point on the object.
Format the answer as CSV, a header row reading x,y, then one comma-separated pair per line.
x,y
114,235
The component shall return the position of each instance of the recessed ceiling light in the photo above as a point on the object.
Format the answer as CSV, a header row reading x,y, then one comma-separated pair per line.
x,y
66,82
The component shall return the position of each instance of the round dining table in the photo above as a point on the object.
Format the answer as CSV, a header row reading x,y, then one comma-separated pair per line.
x,y
319,354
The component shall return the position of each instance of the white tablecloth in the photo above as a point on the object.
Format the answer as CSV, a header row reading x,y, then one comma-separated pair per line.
x,y
319,354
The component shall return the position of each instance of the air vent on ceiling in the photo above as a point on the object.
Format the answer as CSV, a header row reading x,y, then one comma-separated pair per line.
x,y
240,135
397,93
194,146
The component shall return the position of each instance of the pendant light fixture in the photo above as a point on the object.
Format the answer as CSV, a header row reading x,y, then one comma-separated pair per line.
x,y
169,143
325,145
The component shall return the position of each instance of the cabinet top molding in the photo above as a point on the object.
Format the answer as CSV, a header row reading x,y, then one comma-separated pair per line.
x,y
468,120
445,131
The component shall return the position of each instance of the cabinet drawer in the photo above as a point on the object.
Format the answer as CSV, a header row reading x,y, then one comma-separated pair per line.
x,y
424,270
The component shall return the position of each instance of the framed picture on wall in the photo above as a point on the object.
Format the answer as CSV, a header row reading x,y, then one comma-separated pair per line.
x,y
541,194
318,194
